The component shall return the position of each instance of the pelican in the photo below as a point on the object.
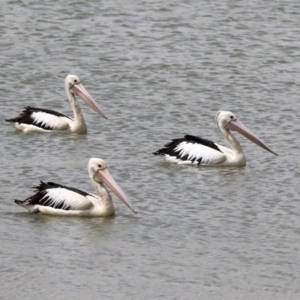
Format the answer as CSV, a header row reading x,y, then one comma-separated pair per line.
x,y
44,120
195,150
55,199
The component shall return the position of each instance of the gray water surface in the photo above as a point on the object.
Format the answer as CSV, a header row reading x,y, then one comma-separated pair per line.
x,y
159,70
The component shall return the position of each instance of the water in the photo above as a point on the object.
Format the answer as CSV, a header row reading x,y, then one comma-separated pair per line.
x,y
159,70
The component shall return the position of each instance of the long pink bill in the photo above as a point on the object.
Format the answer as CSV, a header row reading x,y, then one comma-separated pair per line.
x,y
104,176
80,90
241,128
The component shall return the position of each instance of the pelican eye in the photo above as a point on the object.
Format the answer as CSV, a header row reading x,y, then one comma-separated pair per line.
x,y
99,166
74,83
231,117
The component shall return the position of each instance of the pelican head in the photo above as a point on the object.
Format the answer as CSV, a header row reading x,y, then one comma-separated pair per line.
x,y
228,121
73,85
99,173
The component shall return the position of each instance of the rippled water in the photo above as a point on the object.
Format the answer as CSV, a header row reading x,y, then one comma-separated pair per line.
x,y
159,70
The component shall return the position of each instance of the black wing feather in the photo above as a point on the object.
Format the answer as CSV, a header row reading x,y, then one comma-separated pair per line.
x,y
40,199
25,116
169,149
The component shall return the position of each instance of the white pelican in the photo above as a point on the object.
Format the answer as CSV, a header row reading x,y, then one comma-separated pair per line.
x,y
44,120
55,199
195,150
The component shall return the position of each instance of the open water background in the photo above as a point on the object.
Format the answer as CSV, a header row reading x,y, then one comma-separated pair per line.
x,y
159,70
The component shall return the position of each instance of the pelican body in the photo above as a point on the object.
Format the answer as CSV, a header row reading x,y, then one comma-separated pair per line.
x,y
55,199
195,150
44,120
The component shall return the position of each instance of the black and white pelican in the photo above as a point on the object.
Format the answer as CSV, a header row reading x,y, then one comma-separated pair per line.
x,y
55,199
195,150
34,119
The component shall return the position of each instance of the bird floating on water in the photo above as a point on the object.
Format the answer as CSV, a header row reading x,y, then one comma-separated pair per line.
x,y
55,199
195,150
44,120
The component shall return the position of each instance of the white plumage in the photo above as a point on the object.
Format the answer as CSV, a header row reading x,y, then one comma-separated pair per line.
x,y
67,199
48,120
195,152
